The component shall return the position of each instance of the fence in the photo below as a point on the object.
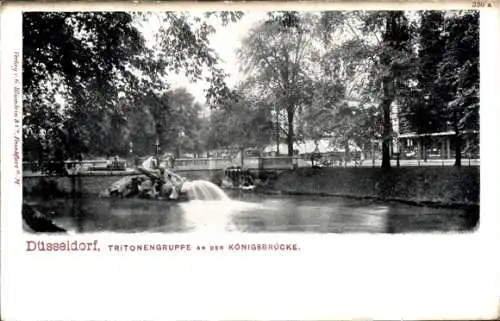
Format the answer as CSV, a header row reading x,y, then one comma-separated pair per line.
x,y
285,162
201,163
252,163
222,163
407,163
63,167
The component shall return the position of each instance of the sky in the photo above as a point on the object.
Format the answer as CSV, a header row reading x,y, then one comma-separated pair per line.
x,y
225,41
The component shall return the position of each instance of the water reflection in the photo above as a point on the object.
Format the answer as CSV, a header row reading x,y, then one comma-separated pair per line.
x,y
251,213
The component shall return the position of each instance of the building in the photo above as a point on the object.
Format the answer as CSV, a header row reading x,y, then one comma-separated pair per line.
x,y
438,145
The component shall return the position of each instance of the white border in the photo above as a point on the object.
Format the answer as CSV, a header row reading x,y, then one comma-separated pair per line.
x,y
431,276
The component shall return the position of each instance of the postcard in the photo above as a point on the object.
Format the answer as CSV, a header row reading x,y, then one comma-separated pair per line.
x,y
288,161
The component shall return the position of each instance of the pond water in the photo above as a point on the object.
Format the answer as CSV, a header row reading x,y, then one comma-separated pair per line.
x,y
250,212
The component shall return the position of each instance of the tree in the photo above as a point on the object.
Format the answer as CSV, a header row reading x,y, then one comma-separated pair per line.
x,y
445,95
342,107
422,103
243,124
458,75
184,121
88,71
275,53
382,42
393,62
76,56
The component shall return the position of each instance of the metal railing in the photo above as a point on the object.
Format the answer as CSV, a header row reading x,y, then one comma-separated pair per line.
x,y
251,163
201,163
282,162
74,165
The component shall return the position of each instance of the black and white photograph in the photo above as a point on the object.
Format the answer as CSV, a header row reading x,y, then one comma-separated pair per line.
x,y
249,161
258,122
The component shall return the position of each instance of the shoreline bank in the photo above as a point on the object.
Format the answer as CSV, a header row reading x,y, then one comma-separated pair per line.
x,y
418,203
436,187
449,187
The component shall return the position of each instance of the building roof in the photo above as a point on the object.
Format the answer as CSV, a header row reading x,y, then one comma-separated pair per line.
x,y
322,146
446,133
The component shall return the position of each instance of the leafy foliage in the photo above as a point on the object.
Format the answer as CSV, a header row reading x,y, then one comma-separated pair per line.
x,y
446,95
92,82
376,58
242,124
276,54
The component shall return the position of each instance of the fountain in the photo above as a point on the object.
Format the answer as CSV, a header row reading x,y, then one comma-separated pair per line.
x,y
165,185
203,190
149,163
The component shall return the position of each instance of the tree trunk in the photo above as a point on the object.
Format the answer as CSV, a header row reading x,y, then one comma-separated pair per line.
x,y
386,135
289,136
386,155
277,133
347,157
388,97
242,153
458,140
422,148
458,149
373,152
